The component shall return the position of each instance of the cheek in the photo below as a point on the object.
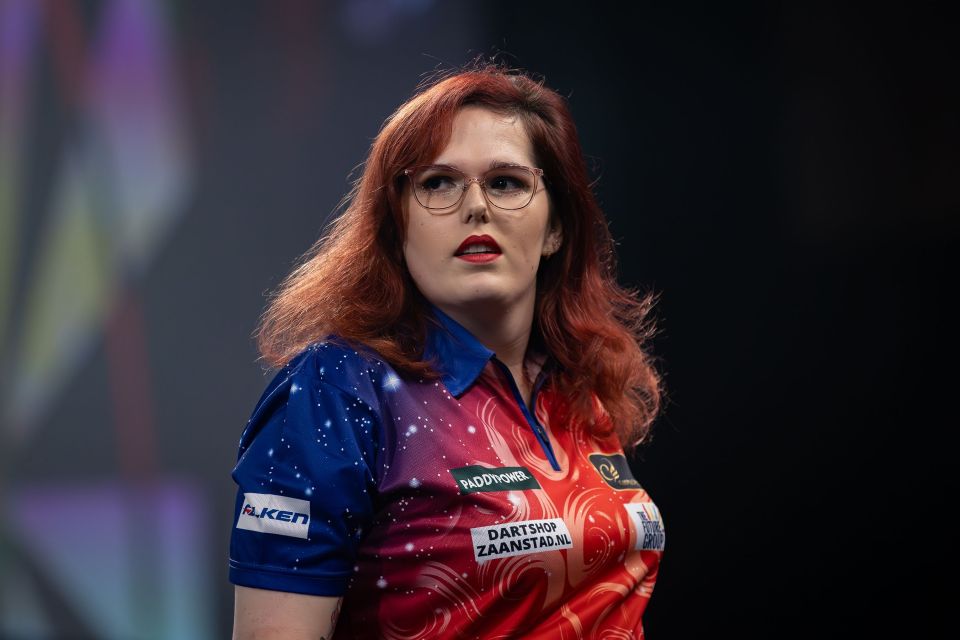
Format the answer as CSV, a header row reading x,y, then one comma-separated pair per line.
x,y
412,227
422,251
419,239
531,242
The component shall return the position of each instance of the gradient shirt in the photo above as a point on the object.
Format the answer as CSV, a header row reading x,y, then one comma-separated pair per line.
x,y
440,508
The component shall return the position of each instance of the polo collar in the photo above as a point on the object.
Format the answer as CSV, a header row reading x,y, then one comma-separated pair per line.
x,y
458,355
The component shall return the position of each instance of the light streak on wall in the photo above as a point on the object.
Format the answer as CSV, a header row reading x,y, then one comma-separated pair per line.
x,y
119,189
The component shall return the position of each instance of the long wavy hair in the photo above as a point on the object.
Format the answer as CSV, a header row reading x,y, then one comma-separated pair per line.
x,y
353,282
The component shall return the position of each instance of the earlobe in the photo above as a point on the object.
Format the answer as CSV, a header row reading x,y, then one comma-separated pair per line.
x,y
554,240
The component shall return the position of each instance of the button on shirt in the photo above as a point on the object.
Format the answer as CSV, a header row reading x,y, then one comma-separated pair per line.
x,y
440,508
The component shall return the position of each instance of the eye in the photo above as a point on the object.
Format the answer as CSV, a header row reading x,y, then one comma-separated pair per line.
x,y
509,182
436,182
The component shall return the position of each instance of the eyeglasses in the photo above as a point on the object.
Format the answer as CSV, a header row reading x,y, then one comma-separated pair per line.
x,y
438,187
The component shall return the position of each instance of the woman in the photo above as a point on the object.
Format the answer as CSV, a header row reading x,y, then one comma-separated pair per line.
x,y
442,451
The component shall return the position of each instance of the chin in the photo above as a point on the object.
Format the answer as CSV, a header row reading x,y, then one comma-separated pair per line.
x,y
487,298
481,293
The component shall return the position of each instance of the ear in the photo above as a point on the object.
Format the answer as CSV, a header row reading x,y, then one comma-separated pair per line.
x,y
553,240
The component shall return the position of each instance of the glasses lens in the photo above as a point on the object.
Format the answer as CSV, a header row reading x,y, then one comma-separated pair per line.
x,y
510,187
437,187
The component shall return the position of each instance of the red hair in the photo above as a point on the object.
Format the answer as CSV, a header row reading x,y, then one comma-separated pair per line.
x,y
353,282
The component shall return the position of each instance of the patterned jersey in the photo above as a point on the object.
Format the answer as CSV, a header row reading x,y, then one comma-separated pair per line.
x,y
440,508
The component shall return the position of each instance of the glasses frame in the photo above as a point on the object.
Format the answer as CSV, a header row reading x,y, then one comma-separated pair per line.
x,y
468,180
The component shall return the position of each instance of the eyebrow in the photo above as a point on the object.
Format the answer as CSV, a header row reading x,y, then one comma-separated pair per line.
x,y
494,164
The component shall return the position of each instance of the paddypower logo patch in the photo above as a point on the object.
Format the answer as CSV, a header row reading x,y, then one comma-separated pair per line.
x,y
614,470
519,538
268,513
474,478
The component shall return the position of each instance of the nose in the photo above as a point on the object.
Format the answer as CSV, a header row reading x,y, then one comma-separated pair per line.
x,y
474,206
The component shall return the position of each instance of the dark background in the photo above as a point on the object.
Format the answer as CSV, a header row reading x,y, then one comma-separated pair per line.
x,y
783,175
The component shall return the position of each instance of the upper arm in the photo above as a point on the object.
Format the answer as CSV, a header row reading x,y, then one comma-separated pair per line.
x,y
306,479
260,614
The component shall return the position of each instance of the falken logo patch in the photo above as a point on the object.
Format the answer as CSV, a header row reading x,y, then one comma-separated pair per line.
x,y
268,513
614,470
474,479
519,538
648,524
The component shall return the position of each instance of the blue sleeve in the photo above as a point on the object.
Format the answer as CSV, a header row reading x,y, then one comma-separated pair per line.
x,y
307,477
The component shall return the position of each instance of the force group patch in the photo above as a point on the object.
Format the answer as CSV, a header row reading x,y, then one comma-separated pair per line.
x,y
648,524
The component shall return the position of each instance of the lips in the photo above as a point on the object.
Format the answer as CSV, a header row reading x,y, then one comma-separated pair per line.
x,y
478,245
478,250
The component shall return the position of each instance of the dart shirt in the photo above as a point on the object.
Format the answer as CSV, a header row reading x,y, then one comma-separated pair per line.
x,y
440,508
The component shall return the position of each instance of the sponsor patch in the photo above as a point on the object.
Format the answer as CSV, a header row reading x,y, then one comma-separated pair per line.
x,y
614,470
519,538
649,525
268,513
474,479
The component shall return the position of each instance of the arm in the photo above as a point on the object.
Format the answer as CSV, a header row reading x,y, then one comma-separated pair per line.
x,y
260,614
306,477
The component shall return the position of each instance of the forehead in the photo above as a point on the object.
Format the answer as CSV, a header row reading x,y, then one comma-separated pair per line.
x,y
480,137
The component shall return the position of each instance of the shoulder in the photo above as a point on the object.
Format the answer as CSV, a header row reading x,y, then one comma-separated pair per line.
x,y
354,369
332,364
329,383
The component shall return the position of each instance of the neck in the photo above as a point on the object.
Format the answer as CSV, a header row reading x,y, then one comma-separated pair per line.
x,y
503,330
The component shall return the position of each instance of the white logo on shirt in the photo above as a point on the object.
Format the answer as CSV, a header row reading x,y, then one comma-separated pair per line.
x,y
268,513
648,524
519,538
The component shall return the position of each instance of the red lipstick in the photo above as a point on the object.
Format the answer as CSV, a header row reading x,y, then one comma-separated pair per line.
x,y
478,249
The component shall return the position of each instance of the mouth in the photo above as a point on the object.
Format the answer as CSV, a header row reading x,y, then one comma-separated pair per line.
x,y
478,249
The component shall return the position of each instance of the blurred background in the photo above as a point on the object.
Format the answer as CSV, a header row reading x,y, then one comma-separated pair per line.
x,y
785,175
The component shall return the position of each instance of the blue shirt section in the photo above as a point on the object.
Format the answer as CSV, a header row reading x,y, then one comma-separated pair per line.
x,y
313,437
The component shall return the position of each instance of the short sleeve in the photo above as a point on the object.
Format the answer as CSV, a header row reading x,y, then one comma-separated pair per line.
x,y
306,481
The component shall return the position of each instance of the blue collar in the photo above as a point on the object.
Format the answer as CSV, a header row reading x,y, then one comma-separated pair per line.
x,y
458,356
